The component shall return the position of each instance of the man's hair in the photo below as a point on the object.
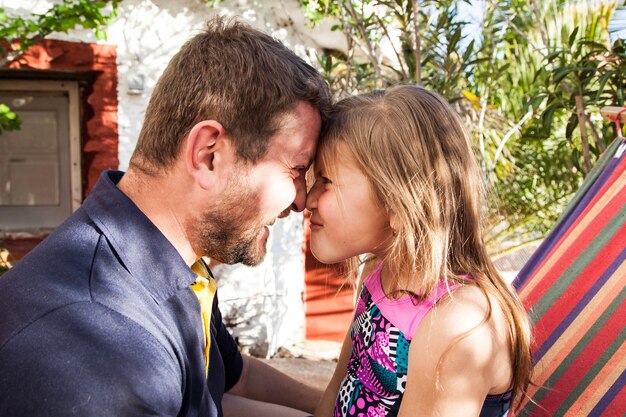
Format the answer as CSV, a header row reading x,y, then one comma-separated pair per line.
x,y
234,74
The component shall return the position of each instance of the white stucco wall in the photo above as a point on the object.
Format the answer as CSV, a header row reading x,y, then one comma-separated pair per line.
x,y
264,302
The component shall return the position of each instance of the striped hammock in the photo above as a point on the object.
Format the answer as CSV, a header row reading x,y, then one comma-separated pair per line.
x,y
574,286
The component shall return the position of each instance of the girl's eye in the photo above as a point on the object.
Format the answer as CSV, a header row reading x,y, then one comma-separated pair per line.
x,y
321,179
321,183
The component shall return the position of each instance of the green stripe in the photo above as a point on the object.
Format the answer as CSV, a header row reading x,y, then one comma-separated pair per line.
x,y
558,372
593,372
563,282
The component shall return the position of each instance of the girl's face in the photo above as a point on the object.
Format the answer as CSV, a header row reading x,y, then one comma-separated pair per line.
x,y
345,217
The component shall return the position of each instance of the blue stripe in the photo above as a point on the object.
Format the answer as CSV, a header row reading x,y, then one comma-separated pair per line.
x,y
609,396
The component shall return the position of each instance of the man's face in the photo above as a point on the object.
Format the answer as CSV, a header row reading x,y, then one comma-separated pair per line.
x,y
235,231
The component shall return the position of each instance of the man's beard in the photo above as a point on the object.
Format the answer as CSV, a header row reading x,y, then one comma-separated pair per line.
x,y
229,233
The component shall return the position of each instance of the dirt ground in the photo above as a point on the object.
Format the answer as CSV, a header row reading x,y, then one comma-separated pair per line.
x,y
315,373
312,362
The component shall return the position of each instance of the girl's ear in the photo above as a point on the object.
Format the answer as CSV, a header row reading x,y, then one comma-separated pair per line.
x,y
208,153
393,222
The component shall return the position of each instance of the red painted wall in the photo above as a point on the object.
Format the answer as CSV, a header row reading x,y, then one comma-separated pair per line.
x,y
99,131
328,299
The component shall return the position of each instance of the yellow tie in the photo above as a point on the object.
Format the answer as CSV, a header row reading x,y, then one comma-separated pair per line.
x,y
204,287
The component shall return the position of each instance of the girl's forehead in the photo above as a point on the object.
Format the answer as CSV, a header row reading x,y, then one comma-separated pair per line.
x,y
333,153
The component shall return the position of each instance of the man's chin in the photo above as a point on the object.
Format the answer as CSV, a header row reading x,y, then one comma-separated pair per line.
x,y
248,259
249,252
255,260
254,257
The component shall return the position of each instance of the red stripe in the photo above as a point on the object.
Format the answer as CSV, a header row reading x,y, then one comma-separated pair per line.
x,y
585,236
574,250
569,300
561,388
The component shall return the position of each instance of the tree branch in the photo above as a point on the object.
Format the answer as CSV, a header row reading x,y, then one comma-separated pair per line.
x,y
369,50
596,136
582,124
540,24
418,44
403,70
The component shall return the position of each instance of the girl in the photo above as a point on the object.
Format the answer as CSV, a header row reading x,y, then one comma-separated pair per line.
x,y
436,330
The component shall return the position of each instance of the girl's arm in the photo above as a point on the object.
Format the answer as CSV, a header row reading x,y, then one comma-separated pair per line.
x,y
454,360
326,406
261,382
236,406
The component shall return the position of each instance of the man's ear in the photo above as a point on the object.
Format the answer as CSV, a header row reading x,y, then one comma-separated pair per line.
x,y
207,152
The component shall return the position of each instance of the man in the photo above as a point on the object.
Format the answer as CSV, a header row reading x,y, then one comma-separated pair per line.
x,y
100,318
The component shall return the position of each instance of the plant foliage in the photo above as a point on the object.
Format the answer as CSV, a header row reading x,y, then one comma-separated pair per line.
x,y
18,33
528,80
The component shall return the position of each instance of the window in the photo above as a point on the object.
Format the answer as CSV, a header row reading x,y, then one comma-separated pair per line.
x,y
40,182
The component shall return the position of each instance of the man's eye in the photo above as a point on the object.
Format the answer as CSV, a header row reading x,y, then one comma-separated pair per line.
x,y
298,171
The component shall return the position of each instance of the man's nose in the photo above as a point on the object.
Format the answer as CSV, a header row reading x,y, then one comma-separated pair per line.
x,y
300,201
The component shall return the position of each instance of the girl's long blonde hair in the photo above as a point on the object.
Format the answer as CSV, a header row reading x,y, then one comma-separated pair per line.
x,y
414,150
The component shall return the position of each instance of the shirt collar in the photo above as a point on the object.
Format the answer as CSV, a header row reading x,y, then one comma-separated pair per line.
x,y
143,250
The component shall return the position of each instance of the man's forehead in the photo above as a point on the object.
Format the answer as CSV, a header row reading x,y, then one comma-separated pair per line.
x,y
307,155
300,145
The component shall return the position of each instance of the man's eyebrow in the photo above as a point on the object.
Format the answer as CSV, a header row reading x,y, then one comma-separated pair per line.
x,y
304,158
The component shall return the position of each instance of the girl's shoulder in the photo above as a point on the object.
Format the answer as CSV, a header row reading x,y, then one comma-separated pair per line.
x,y
467,331
466,308
467,301
469,321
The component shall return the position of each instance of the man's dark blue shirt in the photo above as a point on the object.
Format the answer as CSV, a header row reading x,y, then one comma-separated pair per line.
x,y
99,320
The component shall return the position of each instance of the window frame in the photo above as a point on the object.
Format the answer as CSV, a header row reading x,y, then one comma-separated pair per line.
x,y
71,88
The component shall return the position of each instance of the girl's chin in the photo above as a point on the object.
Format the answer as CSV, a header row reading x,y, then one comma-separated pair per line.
x,y
324,257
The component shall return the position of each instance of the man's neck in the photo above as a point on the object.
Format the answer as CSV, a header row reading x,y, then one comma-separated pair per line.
x,y
159,198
